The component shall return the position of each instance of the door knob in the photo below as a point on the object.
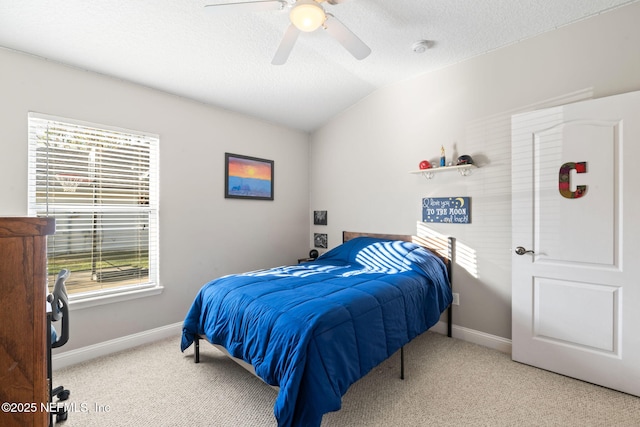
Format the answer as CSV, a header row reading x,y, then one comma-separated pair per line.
x,y
521,251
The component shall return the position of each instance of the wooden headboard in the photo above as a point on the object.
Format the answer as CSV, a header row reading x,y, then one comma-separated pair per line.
x,y
443,248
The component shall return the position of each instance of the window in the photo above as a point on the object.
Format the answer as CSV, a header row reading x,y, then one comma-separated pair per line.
x,y
101,185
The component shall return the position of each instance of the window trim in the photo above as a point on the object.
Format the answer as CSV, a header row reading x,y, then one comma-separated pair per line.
x,y
125,293
81,300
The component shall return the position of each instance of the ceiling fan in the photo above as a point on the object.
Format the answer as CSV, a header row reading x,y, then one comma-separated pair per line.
x,y
305,16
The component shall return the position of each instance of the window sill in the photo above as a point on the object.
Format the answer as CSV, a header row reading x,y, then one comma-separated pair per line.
x,y
93,299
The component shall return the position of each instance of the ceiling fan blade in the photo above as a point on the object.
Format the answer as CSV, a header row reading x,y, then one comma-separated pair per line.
x,y
248,6
345,36
286,45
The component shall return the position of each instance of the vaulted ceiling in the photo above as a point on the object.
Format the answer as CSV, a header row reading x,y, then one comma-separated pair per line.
x,y
224,59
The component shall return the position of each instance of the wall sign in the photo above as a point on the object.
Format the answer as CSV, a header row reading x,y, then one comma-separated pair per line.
x,y
454,210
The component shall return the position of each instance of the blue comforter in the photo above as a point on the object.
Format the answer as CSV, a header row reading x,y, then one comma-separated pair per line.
x,y
316,328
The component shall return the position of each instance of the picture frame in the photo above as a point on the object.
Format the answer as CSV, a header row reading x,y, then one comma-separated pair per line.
x,y
320,240
247,177
319,217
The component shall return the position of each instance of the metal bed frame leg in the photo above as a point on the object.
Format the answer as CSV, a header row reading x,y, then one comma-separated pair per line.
x,y
452,261
196,349
451,255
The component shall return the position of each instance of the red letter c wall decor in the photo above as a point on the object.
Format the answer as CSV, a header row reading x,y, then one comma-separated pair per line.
x,y
564,180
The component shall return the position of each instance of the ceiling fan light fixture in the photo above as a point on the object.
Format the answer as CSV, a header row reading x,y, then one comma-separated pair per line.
x,y
307,15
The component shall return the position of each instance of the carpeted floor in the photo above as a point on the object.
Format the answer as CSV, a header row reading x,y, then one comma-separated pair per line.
x,y
448,382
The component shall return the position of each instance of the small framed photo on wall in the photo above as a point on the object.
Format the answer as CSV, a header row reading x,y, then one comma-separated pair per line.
x,y
319,217
320,240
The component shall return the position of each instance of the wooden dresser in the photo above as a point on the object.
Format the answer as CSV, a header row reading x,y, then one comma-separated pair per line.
x,y
23,344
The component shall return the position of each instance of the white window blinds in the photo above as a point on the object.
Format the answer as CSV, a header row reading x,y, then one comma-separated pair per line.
x,y
101,185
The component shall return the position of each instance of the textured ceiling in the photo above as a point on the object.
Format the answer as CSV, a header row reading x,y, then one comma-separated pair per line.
x,y
225,60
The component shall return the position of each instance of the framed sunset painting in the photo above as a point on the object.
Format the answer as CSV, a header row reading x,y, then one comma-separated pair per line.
x,y
247,177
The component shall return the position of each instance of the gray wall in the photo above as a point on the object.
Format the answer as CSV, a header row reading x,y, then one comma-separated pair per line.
x,y
360,160
355,167
202,234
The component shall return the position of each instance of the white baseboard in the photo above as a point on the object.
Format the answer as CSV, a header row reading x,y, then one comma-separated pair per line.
x,y
72,357
471,335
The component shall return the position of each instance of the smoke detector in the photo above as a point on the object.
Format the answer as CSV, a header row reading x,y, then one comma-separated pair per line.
x,y
421,46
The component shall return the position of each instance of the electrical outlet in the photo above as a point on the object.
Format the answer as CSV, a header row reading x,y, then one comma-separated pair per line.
x,y
456,298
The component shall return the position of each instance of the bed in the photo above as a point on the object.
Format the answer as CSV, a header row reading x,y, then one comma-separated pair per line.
x,y
315,328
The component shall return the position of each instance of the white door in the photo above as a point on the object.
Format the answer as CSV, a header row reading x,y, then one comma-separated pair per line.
x,y
576,296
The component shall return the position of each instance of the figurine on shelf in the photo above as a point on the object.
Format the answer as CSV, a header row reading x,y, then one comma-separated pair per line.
x,y
442,156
